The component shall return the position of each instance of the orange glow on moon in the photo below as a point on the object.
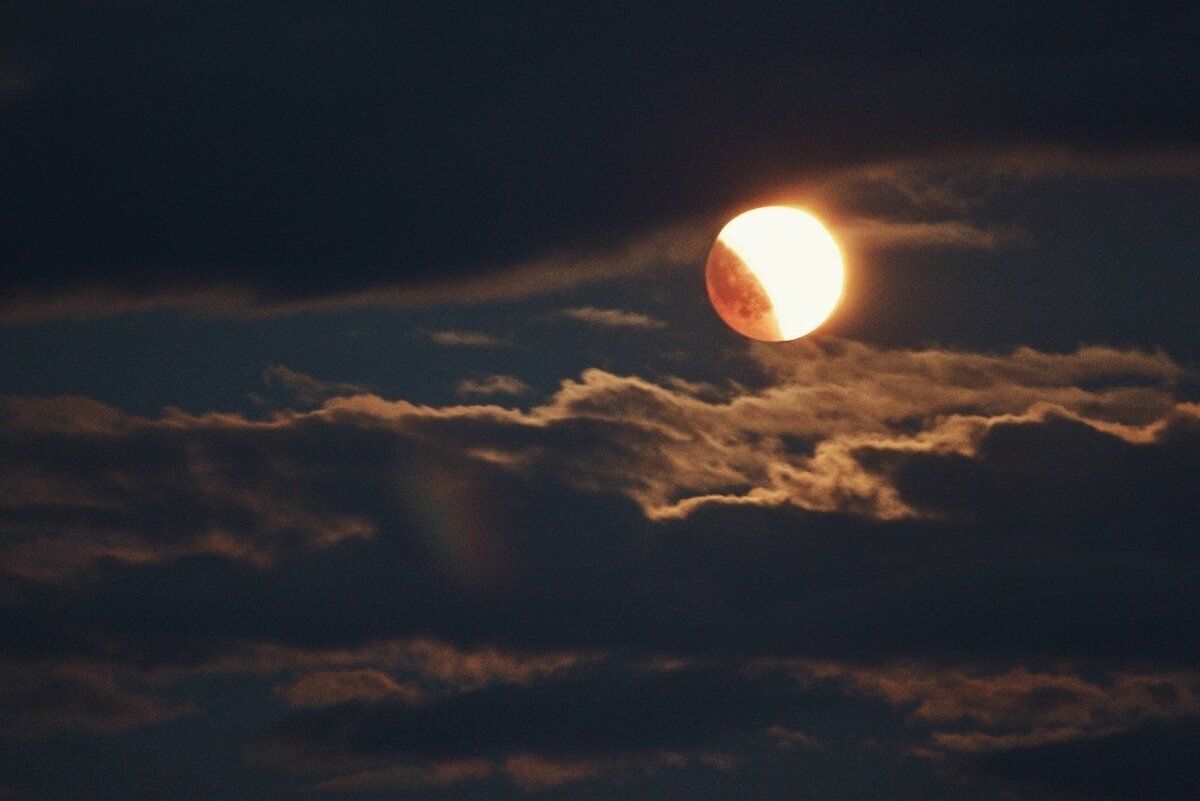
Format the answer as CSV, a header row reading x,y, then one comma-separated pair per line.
x,y
774,273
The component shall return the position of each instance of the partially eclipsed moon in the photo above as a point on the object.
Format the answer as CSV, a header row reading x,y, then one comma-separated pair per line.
x,y
774,273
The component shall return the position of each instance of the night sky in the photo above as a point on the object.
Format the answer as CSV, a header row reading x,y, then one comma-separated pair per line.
x,y
366,430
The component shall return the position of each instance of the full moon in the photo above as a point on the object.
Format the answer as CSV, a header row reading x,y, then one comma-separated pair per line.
x,y
774,273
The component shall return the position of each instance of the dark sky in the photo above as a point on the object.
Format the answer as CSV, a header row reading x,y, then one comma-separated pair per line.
x,y
366,432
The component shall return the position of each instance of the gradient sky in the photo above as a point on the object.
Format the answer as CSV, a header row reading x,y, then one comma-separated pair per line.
x,y
366,432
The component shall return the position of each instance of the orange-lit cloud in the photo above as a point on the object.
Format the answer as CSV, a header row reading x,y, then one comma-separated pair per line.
x,y
492,385
673,447
530,772
441,774
930,203
972,710
305,389
408,668
38,700
329,687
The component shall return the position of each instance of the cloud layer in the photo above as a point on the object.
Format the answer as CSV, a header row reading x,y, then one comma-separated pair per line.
x,y
924,532
339,187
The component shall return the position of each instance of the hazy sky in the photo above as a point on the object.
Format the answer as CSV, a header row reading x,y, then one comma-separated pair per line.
x,y
366,432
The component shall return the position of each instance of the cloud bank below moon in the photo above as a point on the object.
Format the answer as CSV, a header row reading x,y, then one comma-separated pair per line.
x,y
602,542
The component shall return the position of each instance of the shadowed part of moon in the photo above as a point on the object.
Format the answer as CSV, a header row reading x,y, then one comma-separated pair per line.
x,y
738,296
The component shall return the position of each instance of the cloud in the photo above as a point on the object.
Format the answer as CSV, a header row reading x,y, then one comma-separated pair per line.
x,y
492,385
468,494
958,185
989,709
331,687
47,699
611,318
984,557
893,234
788,740
527,772
556,270
441,774
1149,763
933,526
305,389
950,201
1035,729
146,489
464,339
409,669
794,441
875,205
554,731
530,772
534,773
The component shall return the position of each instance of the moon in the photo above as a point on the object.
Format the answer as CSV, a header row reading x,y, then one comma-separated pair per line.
x,y
774,274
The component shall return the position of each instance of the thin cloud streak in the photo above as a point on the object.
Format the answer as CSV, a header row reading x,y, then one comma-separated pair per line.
x,y
609,318
932,203
492,385
304,388
671,247
464,339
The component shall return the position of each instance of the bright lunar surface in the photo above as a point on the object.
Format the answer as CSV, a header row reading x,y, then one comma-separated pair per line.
x,y
774,273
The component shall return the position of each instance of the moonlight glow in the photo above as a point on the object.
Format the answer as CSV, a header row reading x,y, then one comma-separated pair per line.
x,y
774,273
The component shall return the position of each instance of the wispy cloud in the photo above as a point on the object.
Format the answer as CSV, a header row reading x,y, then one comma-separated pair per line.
x,y
972,709
540,742
529,772
331,687
611,318
883,234
933,202
464,339
445,773
876,483
304,388
813,438
48,699
788,740
492,385
551,272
